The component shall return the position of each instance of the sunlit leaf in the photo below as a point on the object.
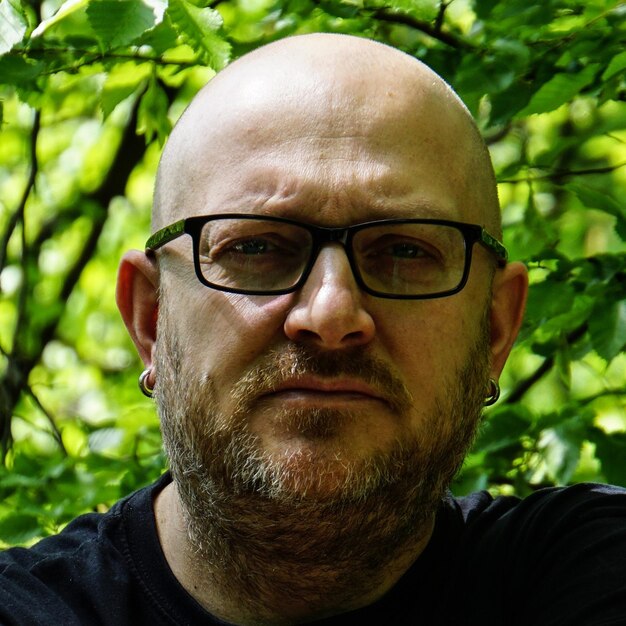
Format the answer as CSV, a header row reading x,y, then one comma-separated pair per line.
x,y
559,90
12,26
68,8
153,109
198,27
559,448
617,65
121,82
105,439
119,23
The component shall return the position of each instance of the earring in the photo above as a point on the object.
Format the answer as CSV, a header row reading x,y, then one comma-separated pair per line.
x,y
143,383
494,392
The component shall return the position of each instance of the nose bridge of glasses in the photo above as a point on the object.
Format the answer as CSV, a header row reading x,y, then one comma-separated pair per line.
x,y
323,236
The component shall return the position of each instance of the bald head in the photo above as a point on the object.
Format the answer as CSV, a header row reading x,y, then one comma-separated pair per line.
x,y
328,98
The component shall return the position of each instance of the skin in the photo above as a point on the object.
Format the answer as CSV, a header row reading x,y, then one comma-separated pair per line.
x,y
331,130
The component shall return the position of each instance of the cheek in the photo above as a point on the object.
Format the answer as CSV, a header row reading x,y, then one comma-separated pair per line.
x,y
428,341
223,333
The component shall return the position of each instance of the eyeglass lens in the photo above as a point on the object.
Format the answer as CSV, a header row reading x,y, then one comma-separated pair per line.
x,y
398,259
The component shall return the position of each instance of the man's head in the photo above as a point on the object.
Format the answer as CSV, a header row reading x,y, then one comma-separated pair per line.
x,y
327,393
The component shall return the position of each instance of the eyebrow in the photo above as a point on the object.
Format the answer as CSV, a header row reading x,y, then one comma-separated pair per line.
x,y
373,212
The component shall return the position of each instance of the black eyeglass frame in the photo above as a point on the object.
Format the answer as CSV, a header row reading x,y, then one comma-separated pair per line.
x,y
322,235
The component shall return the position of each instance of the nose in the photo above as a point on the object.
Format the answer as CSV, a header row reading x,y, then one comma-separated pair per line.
x,y
328,310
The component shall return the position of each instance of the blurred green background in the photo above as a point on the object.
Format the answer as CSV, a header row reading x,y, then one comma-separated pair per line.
x,y
89,90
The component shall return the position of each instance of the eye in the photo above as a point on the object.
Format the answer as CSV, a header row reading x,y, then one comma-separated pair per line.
x,y
405,250
253,246
393,247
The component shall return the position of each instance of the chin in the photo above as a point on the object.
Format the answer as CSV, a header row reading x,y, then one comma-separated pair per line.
x,y
323,469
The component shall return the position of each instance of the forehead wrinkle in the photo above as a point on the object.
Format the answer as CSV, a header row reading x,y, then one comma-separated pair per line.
x,y
324,101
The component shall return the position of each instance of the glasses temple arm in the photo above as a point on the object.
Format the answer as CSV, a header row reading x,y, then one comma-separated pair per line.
x,y
165,235
495,246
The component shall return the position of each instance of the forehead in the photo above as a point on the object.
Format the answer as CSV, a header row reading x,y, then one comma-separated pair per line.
x,y
329,147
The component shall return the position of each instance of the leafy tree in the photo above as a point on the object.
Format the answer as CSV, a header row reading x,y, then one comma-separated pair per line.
x,y
89,90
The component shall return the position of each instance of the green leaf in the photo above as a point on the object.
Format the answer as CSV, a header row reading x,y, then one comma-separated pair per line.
x,y
153,111
105,439
560,449
119,23
12,26
617,64
198,27
425,9
611,452
607,327
18,71
67,9
503,427
19,528
122,81
596,199
558,90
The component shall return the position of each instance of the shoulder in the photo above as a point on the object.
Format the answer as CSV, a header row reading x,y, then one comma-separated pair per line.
x,y
75,573
579,507
587,499
564,549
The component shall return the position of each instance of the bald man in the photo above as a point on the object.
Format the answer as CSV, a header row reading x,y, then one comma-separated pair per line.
x,y
323,309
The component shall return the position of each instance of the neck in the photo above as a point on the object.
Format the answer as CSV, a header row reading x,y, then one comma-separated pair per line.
x,y
282,567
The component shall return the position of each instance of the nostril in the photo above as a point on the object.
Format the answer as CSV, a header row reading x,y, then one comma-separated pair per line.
x,y
307,335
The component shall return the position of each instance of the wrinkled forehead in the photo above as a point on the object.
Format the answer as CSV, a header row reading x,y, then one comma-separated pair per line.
x,y
323,100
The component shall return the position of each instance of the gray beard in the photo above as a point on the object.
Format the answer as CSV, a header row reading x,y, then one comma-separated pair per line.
x,y
261,530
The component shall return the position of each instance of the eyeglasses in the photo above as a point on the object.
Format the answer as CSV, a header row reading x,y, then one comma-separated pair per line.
x,y
392,258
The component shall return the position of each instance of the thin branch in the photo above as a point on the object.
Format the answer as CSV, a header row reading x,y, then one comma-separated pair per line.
x,y
56,433
519,391
440,15
552,176
548,363
394,17
25,355
93,56
18,214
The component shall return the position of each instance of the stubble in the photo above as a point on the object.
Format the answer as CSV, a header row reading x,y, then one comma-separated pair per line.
x,y
262,528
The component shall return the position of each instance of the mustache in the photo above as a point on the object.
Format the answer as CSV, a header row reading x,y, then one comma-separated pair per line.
x,y
295,360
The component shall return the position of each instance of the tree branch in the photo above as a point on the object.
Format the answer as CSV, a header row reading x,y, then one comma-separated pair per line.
x,y
393,17
18,214
24,356
548,363
93,56
554,176
56,433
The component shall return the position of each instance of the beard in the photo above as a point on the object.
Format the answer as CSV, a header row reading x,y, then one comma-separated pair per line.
x,y
315,527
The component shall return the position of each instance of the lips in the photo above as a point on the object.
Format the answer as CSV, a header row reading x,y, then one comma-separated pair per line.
x,y
312,386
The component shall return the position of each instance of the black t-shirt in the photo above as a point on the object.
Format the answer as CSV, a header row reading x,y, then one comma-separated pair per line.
x,y
556,557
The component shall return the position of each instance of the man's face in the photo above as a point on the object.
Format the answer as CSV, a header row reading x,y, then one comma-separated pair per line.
x,y
328,390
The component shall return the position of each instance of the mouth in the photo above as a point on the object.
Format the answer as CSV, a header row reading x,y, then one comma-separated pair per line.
x,y
321,391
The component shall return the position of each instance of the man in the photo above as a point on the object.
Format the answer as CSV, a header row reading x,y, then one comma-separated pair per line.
x,y
323,310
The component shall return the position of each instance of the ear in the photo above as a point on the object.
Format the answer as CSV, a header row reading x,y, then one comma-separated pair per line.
x,y
510,287
137,300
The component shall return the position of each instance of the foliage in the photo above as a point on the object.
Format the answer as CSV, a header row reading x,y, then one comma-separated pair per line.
x,y
89,90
